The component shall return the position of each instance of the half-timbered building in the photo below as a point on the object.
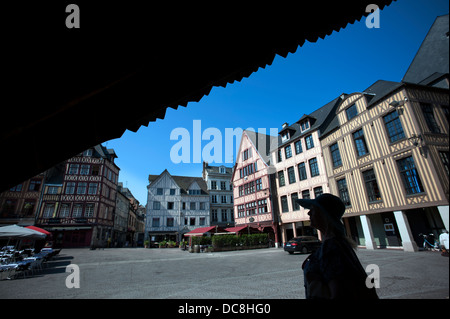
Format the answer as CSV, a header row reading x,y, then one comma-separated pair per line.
x,y
252,179
386,156
78,200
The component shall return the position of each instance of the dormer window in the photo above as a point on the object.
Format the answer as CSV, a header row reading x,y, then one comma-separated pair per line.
x,y
304,125
285,136
222,170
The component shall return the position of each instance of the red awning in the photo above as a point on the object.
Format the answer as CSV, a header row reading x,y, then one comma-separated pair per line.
x,y
235,229
200,231
39,230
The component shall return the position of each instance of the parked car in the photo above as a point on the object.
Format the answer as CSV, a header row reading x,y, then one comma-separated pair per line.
x,y
303,244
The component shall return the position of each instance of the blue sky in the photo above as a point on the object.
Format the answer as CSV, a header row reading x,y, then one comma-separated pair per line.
x,y
345,62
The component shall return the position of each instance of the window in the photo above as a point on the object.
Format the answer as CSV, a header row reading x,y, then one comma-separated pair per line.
x,y
65,211
262,206
281,181
84,170
318,191
172,191
17,188
284,204
70,188
279,156
73,169
156,205
77,210
224,215
95,170
427,110
223,186
52,190
192,221
298,147
309,142
284,136
343,191
214,199
89,212
192,205
224,198
92,189
410,176
288,151
202,221
444,160
291,174
258,184
335,155
170,221
214,215
213,185
170,205
247,154
35,186
394,127
360,143
81,188
241,190
155,222
314,167
87,152
373,192
48,210
202,206
305,194
302,171
159,191
222,170
351,112
295,205
304,125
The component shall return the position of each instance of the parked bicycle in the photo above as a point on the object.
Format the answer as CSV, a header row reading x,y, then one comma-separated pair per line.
x,y
430,242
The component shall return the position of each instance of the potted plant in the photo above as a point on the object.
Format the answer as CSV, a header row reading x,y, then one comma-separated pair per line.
x,y
146,243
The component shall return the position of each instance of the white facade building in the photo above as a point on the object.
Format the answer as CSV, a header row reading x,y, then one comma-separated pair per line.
x,y
220,188
175,206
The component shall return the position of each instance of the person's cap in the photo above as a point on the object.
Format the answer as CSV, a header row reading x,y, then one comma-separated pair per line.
x,y
329,204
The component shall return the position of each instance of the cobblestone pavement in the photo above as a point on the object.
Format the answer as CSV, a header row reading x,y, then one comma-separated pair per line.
x,y
263,273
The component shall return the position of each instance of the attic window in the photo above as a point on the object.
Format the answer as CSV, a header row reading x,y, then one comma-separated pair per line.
x,y
304,125
285,136
222,170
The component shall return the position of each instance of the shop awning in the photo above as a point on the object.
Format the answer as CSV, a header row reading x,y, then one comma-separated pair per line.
x,y
203,230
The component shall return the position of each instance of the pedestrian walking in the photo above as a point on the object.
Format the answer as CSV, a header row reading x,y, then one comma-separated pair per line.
x,y
333,271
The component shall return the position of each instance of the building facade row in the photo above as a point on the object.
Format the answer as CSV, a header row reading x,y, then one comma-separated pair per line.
x,y
77,200
384,151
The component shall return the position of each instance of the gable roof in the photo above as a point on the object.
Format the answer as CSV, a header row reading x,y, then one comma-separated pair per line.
x,y
183,182
263,144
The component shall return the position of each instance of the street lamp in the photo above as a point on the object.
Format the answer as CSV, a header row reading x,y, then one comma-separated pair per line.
x,y
418,141
398,105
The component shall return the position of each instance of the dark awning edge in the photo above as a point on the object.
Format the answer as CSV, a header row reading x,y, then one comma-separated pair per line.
x,y
61,93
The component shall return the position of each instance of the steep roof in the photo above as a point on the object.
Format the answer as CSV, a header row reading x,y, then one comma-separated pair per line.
x,y
432,58
184,182
321,120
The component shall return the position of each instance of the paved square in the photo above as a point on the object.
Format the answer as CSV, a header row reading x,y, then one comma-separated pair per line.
x,y
175,274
